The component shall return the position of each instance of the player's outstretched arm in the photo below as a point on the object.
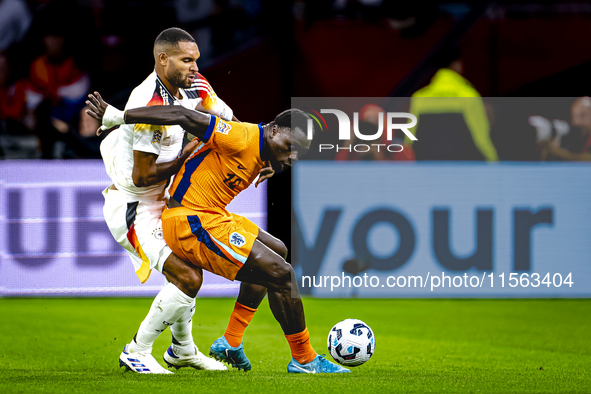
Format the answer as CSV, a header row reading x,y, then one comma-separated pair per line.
x,y
194,122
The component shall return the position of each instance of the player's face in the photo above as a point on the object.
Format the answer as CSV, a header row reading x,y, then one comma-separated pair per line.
x,y
181,68
287,147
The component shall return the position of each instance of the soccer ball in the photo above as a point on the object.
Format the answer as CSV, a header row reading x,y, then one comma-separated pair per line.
x,y
351,342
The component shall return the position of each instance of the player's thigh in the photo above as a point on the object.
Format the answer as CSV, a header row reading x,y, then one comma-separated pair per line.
x,y
265,267
137,227
179,236
148,228
275,244
115,214
270,241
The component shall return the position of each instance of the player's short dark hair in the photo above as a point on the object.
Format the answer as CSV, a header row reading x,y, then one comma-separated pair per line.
x,y
172,36
293,118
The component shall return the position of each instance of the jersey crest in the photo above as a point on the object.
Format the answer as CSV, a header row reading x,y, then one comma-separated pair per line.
x,y
157,137
223,127
237,239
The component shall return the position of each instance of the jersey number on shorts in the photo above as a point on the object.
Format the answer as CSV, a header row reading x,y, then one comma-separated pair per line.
x,y
232,181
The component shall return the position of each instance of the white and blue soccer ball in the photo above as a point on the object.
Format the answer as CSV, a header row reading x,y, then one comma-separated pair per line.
x,y
351,342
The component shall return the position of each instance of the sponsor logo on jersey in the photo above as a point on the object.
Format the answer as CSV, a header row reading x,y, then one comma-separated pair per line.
x,y
223,127
237,239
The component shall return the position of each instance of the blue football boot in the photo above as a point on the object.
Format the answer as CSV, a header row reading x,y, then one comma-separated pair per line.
x,y
235,356
319,365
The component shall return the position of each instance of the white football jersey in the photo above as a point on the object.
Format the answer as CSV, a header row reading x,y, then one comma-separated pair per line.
x,y
165,141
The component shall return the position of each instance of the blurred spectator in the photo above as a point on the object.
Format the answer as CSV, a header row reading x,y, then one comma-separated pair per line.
x,y
519,135
15,20
452,122
16,119
86,143
13,98
576,145
58,90
55,75
20,122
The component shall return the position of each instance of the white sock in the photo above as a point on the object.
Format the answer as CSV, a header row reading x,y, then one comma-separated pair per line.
x,y
167,308
182,333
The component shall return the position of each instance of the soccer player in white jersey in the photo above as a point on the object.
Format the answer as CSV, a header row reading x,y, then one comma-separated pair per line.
x,y
140,159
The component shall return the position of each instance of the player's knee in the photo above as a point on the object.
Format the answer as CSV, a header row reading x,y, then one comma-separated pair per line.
x,y
281,249
276,245
187,277
191,280
282,273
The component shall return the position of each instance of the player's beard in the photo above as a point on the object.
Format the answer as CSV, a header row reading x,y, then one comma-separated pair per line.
x,y
176,78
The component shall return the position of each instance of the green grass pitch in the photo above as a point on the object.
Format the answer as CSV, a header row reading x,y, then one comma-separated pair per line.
x,y
439,346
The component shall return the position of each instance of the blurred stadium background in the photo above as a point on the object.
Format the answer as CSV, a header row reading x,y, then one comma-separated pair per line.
x,y
530,61
258,54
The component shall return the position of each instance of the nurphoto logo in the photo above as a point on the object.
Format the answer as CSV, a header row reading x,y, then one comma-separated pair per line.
x,y
344,123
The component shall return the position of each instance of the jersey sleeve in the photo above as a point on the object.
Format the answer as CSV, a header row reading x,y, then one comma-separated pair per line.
x,y
210,102
225,137
147,138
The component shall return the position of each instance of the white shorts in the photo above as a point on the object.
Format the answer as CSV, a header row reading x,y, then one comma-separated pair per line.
x,y
138,228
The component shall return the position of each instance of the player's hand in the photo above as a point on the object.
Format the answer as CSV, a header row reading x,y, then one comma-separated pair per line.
x,y
189,148
109,116
264,174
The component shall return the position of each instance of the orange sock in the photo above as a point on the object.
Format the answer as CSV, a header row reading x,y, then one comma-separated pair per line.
x,y
300,347
239,320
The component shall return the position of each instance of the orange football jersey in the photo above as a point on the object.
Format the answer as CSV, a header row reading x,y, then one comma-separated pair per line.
x,y
226,162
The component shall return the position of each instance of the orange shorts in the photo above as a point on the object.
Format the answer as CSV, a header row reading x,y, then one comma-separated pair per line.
x,y
211,238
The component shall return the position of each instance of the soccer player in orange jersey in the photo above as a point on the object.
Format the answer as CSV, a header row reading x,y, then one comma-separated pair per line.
x,y
199,229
